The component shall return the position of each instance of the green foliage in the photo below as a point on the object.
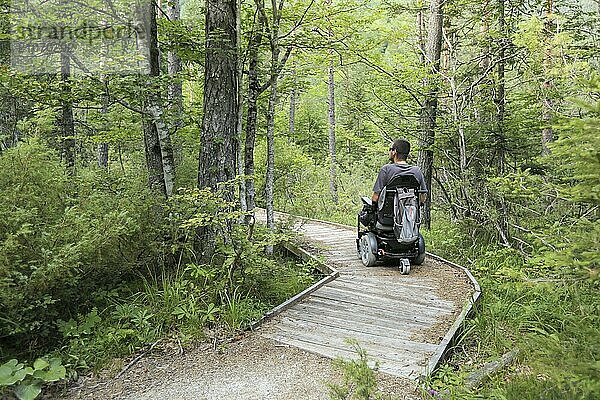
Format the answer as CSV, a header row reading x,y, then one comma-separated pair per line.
x,y
359,380
552,318
26,381
62,239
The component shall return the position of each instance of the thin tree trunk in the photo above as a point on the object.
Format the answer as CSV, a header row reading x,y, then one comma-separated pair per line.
x,y
500,97
166,147
332,155
67,125
240,110
547,132
251,118
8,104
502,224
430,103
270,173
293,101
103,147
103,155
155,114
174,68
154,165
331,104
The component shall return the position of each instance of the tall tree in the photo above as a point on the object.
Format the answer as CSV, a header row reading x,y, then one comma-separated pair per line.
x,y
254,90
293,103
159,151
67,124
549,27
9,134
275,67
331,115
433,48
218,138
174,68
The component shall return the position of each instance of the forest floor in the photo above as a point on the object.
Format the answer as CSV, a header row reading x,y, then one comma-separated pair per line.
x,y
250,368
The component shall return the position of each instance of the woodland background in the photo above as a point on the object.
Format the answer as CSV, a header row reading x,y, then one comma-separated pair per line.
x,y
125,200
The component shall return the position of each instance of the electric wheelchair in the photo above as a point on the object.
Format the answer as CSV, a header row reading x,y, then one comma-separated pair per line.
x,y
389,230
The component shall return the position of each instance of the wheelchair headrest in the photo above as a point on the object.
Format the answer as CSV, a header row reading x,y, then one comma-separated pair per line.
x,y
405,181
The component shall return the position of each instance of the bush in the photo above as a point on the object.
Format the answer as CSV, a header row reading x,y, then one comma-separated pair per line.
x,y
62,239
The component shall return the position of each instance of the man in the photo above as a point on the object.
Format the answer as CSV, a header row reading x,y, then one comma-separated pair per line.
x,y
399,150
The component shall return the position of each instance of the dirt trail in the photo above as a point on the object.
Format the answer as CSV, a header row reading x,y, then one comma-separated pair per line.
x,y
253,368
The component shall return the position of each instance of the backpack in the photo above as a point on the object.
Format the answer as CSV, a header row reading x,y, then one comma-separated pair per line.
x,y
406,218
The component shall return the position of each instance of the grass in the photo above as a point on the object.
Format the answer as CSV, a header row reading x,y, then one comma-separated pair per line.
x,y
555,323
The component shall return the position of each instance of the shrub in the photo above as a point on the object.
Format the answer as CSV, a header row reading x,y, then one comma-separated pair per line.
x,y
62,239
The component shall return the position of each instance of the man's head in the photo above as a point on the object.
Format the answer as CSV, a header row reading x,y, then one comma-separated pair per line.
x,y
399,150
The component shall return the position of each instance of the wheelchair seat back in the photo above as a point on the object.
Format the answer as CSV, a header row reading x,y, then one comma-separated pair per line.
x,y
385,214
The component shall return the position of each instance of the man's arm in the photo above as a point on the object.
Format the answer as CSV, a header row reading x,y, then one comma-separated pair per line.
x,y
422,197
375,198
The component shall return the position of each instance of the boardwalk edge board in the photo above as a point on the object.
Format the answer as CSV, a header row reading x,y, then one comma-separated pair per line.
x,y
454,331
329,272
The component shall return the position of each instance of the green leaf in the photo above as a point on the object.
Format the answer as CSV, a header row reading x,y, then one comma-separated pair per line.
x,y
11,363
40,363
28,391
54,374
5,372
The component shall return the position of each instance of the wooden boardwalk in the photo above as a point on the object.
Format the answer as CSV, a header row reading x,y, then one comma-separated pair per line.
x,y
404,322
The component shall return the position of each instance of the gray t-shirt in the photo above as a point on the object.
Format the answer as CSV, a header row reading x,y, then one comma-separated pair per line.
x,y
388,171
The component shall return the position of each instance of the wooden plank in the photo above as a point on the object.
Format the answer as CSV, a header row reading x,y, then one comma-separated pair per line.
x,y
390,328
398,285
392,367
412,296
411,300
402,315
371,280
397,356
324,310
406,353
328,332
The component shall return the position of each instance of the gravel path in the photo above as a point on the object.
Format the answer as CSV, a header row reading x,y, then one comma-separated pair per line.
x,y
253,368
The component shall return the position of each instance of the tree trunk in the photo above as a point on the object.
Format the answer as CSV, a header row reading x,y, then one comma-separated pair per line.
x,y
251,118
240,112
154,165
331,104
547,132
166,148
270,174
103,147
9,134
159,152
332,155
174,68
219,133
500,142
429,110
293,101
218,139
103,155
67,125
499,98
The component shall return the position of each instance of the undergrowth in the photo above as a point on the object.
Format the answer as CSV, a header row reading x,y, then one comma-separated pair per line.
x,y
550,315
94,266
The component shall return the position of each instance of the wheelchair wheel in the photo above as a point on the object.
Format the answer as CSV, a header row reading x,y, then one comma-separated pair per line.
x,y
421,257
404,266
367,256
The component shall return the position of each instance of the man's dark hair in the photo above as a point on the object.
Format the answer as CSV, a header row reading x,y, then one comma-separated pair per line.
x,y
402,148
